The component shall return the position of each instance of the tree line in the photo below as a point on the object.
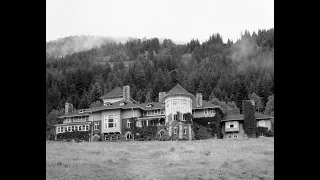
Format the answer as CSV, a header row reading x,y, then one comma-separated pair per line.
x,y
225,73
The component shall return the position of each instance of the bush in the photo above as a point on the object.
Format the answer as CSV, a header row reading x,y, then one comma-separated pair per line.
x,y
213,125
261,130
146,133
201,131
269,133
82,135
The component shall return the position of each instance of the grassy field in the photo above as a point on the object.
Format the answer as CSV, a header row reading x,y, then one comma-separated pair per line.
x,y
205,159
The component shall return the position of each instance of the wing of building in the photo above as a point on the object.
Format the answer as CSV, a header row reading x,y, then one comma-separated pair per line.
x,y
114,119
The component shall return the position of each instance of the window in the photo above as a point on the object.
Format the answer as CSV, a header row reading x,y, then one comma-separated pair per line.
x,y
72,128
58,129
110,121
149,112
175,130
80,128
156,111
162,112
87,118
229,136
174,103
168,103
96,126
212,111
76,128
144,123
83,127
235,136
262,123
87,127
185,130
232,124
69,128
184,102
144,113
206,111
179,102
175,117
193,112
128,124
184,117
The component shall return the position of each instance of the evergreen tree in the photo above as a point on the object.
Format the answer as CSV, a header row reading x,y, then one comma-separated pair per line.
x,y
52,97
269,110
96,104
257,101
95,93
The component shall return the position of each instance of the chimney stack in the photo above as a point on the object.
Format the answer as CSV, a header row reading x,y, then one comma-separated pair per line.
x,y
161,95
126,93
68,108
199,99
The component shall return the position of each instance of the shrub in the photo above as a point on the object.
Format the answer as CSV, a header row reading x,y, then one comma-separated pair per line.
x,y
146,133
261,130
82,135
269,133
201,131
213,125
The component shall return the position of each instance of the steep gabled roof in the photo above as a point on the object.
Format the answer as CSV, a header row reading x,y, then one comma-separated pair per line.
x,y
178,90
116,92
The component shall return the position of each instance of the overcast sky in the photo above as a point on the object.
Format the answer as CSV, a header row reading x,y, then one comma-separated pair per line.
x,y
179,20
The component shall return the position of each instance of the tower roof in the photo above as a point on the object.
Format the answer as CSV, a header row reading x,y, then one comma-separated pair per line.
x,y
116,92
178,90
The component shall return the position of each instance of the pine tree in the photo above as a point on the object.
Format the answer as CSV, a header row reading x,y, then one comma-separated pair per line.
x,y
53,97
257,101
95,93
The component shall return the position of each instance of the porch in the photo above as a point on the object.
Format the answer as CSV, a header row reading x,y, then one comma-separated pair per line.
x,y
151,121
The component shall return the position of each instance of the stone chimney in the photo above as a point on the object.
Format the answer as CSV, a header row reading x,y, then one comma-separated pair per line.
x,y
68,108
126,93
161,95
199,99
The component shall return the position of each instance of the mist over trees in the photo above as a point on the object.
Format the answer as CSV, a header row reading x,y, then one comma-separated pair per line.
x,y
224,73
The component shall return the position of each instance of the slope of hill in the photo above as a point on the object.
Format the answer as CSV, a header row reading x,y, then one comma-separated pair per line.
x,y
73,44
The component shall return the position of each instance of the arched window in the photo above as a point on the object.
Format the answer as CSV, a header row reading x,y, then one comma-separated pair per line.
x,y
128,136
161,132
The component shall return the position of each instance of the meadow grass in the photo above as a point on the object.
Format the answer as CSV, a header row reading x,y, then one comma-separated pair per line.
x,y
203,159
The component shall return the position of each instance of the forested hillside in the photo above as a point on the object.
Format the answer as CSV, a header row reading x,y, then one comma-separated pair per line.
x,y
224,73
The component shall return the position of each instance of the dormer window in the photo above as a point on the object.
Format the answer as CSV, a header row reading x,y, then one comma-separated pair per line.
x,y
107,104
81,111
123,103
149,105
